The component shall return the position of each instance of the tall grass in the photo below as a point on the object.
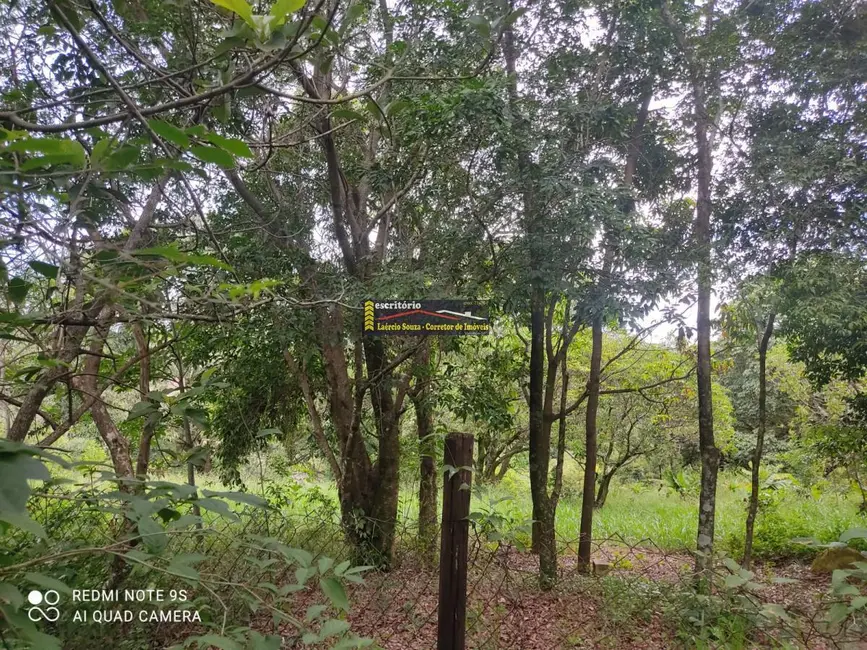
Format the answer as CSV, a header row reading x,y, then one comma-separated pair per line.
x,y
638,512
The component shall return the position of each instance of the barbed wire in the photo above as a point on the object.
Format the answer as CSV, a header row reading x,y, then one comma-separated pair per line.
x,y
636,594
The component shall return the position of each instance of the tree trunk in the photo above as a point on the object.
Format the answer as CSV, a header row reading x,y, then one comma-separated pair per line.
x,y
383,513
481,467
540,444
856,476
119,451
189,443
702,241
427,490
589,497
760,441
74,335
710,455
117,445
7,409
547,544
368,491
539,433
589,493
148,427
604,486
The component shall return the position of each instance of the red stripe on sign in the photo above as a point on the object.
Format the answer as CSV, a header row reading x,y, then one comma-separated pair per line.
x,y
418,311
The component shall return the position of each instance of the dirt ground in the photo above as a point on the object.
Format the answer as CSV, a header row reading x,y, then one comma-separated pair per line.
x,y
625,608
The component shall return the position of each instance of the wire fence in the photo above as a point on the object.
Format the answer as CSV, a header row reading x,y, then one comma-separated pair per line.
x,y
637,594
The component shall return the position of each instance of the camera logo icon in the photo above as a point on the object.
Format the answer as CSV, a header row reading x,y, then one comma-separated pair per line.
x,y
49,598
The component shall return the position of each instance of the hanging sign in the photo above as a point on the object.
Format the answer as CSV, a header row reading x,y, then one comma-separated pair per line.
x,y
421,317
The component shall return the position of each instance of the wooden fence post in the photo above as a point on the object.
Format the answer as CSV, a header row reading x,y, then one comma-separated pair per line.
x,y
455,532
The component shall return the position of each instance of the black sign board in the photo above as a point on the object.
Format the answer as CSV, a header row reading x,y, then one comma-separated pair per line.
x,y
422,317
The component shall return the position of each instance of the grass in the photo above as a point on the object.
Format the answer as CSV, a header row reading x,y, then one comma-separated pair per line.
x,y
637,512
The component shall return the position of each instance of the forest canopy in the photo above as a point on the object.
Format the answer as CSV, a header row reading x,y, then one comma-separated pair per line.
x,y
661,205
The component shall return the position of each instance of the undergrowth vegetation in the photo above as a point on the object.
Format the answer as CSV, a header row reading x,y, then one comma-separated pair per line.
x,y
283,281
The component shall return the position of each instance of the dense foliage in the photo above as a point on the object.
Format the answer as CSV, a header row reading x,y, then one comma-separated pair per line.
x,y
662,204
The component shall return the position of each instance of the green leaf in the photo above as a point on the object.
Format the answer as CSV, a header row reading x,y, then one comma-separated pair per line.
x,y
172,254
171,133
314,611
347,114
25,523
352,642
332,627
282,8
100,150
733,581
11,595
775,610
335,592
837,613
353,13
207,260
839,577
215,505
240,497
56,150
68,9
186,521
213,155
261,642
123,158
222,642
17,290
141,409
189,558
240,7
512,17
396,106
138,555
16,469
303,574
183,570
373,108
153,535
232,145
481,24
325,563
358,569
48,582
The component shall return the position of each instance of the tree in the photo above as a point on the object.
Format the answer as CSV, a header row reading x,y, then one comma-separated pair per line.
x,y
753,318
581,122
791,189
423,402
277,75
371,164
480,386
702,84
635,422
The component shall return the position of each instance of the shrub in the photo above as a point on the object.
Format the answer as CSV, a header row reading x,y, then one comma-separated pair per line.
x,y
573,479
